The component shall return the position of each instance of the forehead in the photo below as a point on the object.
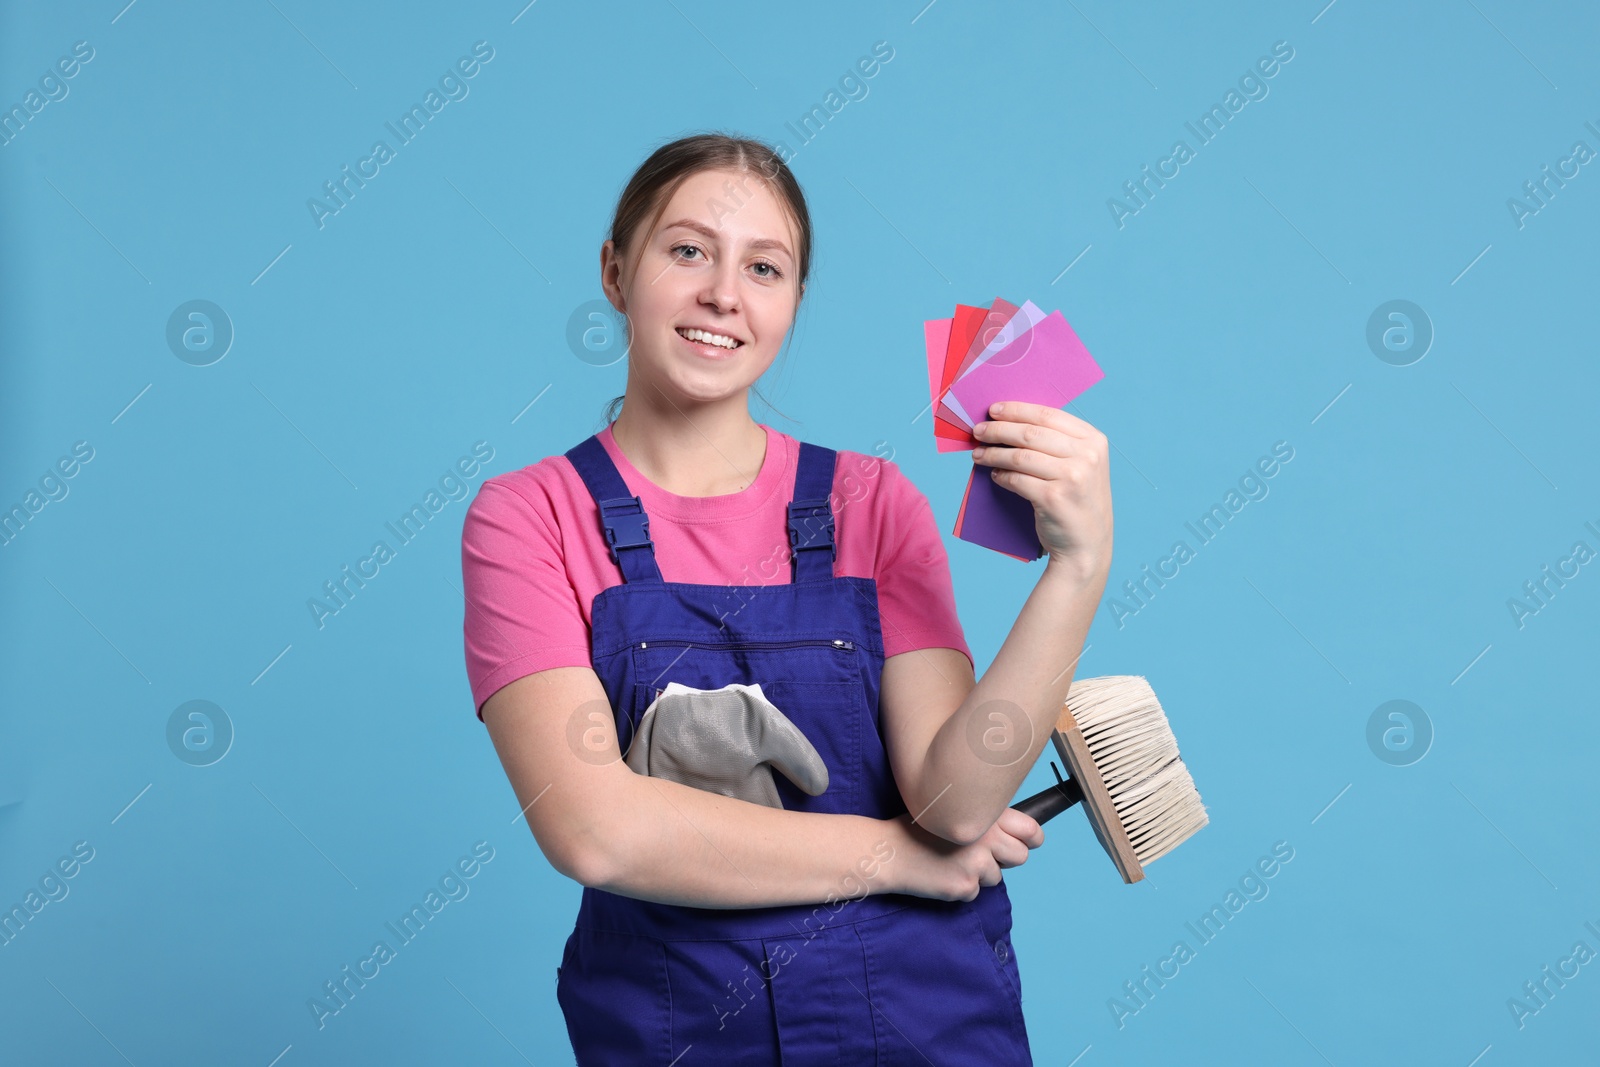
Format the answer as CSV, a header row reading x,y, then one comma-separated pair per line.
x,y
735,206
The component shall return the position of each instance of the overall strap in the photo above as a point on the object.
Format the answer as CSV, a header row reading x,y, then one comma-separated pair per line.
x,y
626,526
811,517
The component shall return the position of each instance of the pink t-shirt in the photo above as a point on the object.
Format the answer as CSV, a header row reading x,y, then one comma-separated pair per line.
x,y
533,556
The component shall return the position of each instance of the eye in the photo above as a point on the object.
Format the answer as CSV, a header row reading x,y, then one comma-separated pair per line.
x,y
773,272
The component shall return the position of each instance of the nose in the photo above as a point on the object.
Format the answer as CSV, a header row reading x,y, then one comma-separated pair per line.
x,y
722,286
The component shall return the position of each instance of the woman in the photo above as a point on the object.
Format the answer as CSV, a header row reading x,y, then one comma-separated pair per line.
x,y
688,543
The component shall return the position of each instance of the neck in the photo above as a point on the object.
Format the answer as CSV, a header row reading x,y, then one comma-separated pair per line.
x,y
711,450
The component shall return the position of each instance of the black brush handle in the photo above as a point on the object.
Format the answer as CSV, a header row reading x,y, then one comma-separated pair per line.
x,y
1051,801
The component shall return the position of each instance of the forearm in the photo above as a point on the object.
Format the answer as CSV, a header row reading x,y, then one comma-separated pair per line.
x,y
681,845
1018,700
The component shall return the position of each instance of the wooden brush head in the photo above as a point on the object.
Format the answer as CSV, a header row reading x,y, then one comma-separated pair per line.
x,y
1141,801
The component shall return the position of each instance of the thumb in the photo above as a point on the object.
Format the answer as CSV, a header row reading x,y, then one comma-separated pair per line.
x,y
779,742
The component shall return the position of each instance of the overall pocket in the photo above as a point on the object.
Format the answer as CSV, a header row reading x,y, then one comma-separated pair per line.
x,y
815,682
934,974
612,989
721,1003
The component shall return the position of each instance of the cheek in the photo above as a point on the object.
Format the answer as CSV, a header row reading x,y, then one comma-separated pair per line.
x,y
650,326
654,307
768,333
771,315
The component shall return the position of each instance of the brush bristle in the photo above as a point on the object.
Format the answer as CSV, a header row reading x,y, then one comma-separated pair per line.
x,y
1127,734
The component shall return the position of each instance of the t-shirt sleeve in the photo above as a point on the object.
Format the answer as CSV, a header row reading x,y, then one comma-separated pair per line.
x,y
522,614
916,599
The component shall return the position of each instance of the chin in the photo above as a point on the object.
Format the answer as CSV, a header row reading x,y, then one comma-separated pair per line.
x,y
705,388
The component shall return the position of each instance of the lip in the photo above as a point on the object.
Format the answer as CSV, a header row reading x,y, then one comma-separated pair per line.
x,y
704,350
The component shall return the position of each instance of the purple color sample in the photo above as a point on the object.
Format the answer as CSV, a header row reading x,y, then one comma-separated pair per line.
x,y
994,517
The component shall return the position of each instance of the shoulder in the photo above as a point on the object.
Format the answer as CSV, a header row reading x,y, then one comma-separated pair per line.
x,y
876,478
531,498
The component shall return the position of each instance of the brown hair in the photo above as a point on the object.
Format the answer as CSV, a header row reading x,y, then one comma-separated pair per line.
x,y
669,166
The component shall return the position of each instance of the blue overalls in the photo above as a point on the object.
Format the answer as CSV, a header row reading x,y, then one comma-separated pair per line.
x,y
866,979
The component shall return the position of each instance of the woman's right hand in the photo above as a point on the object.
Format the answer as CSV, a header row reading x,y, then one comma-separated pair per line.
x,y
941,869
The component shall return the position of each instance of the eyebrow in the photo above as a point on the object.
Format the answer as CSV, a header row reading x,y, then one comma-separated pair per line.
x,y
712,235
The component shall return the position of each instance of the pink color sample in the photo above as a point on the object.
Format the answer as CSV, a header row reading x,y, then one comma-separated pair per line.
x,y
936,338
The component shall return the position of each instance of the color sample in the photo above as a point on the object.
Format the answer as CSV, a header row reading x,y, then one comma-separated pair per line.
x,y
983,355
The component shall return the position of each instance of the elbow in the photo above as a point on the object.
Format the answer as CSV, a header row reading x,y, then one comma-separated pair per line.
x,y
963,833
956,832
582,856
958,825
943,817
575,862
594,844
588,868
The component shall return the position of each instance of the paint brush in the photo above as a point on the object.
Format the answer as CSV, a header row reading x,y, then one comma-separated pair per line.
x,y
1125,769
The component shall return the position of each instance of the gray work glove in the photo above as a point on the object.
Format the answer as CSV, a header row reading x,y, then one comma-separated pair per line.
x,y
724,741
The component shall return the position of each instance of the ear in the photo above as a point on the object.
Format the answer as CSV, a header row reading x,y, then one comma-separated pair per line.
x,y
611,279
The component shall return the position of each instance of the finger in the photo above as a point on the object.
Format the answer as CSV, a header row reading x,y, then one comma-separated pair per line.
x,y
1047,440
785,747
1022,826
1043,415
1027,486
1010,852
991,874
1019,824
1006,844
1026,460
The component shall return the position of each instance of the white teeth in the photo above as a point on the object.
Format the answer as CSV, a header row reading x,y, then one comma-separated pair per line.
x,y
717,339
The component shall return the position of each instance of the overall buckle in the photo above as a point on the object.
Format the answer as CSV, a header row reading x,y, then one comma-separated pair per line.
x,y
626,525
811,526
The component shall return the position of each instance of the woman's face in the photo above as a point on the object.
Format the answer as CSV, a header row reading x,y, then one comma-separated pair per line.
x,y
721,260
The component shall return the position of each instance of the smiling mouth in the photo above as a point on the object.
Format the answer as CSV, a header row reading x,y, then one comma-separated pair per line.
x,y
712,343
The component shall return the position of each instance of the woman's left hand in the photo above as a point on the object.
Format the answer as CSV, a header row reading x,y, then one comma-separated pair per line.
x,y
1059,464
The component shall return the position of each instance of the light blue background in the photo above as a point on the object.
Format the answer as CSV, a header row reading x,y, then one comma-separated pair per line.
x,y
1228,314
